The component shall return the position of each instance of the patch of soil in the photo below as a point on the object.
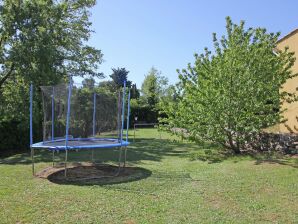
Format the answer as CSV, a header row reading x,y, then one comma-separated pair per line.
x,y
92,174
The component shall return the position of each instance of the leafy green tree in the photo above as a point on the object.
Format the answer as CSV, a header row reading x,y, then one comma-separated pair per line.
x,y
107,86
135,93
44,41
41,41
88,83
229,96
170,95
119,75
153,87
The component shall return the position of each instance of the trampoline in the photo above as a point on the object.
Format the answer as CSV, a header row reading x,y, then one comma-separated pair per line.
x,y
77,117
81,143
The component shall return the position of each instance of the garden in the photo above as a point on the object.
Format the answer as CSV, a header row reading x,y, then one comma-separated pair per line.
x,y
179,182
81,146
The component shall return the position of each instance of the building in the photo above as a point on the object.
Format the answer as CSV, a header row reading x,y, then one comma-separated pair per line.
x,y
291,86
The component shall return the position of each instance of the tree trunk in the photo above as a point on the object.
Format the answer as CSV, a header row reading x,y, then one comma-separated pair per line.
x,y
234,146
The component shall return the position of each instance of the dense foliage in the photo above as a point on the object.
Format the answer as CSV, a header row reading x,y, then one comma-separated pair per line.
x,y
229,96
119,76
145,106
153,87
43,42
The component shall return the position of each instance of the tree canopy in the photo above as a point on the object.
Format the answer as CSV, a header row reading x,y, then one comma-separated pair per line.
x,y
153,87
44,40
229,96
119,75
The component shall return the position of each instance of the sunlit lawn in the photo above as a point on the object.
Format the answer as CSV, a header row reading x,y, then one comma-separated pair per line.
x,y
177,187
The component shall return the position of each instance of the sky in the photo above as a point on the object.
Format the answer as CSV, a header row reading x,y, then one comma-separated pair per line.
x,y
139,34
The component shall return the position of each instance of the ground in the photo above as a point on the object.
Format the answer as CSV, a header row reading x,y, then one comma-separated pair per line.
x,y
180,182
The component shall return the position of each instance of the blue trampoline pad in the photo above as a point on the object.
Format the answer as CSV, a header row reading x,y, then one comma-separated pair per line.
x,y
80,143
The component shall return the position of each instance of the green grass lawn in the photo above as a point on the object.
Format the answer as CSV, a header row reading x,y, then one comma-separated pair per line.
x,y
182,183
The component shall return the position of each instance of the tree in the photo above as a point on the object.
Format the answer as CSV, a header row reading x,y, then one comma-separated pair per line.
x,y
88,83
111,87
153,87
108,86
135,93
119,75
229,96
146,107
169,96
44,41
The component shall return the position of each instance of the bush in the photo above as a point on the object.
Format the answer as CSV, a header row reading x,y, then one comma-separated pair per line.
x,y
144,114
14,136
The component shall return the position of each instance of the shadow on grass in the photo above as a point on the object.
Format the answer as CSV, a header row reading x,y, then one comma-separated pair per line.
x,y
287,161
213,154
152,149
210,152
9,153
141,150
99,175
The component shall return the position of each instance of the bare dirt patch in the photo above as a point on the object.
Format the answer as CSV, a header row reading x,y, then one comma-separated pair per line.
x,y
92,174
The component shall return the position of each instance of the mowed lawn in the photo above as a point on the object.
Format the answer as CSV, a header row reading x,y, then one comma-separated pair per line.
x,y
177,187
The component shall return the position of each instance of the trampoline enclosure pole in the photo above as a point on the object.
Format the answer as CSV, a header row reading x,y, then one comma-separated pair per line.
x,y
127,126
67,122
123,111
94,112
68,113
128,111
31,113
31,126
119,115
53,111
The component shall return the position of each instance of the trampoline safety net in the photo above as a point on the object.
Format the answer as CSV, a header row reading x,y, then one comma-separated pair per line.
x,y
93,113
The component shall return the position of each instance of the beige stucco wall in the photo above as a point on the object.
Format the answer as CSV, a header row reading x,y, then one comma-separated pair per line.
x,y
291,114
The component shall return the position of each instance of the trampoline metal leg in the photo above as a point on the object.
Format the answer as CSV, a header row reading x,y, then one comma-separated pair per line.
x,y
65,164
120,156
53,158
32,159
125,152
134,133
92,155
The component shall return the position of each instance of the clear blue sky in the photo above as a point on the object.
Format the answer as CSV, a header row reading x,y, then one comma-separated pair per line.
x,y
139,34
